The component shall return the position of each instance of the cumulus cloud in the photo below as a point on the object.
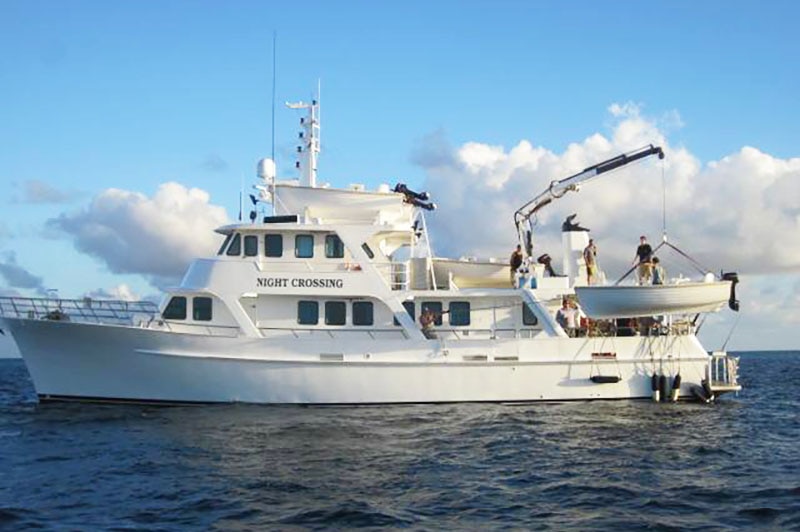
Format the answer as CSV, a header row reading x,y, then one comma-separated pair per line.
x,y
740,212
16,276
37,191
155,237
121,292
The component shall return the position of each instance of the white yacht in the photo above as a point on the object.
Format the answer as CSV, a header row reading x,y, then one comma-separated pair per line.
x,y
318,302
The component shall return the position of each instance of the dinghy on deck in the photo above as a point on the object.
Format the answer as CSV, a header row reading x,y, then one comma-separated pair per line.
x,y
475,273
602,302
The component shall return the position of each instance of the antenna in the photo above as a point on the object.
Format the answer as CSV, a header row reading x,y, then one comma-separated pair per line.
x,y
274,77
241,193
663,203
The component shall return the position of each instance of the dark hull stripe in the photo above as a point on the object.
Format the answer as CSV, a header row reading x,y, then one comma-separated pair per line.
x,y
169,402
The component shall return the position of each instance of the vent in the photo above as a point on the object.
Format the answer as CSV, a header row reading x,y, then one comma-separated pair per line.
x,y
331,357
506,359
474,358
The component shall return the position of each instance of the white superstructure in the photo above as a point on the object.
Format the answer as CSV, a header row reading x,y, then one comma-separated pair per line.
x,y
318,302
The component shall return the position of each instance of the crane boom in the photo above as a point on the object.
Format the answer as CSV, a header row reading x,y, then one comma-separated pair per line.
x,y
558,188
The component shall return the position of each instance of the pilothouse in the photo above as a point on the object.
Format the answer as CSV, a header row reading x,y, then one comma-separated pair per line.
x,y
317,299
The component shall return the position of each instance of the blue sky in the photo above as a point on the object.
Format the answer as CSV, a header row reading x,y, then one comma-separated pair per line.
x,y
131,95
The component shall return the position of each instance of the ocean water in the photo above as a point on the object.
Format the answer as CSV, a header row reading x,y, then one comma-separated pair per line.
x,y
570,466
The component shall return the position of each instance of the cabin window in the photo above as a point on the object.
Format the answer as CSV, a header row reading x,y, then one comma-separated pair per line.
x,y
273,245
250,246
176,309
459,313
436,308
225,244
307,312
362,313
528,317
368,250
235,249
334,247
335,313
304,246
409,306
201,309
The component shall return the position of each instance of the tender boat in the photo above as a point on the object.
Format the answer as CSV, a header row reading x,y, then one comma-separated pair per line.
x,y
603,302
317,300
471,273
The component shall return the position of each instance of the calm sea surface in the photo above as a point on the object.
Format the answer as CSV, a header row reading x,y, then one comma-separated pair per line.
x,y
617,465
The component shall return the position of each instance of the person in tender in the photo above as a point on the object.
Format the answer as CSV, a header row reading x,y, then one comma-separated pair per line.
x,y
590,258
644,254
427,320
658,272
567,317
515,262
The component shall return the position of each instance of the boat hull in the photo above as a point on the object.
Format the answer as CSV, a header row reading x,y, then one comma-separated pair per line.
x,y
602,302
111,363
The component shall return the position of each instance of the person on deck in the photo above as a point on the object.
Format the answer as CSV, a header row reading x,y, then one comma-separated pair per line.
x,y
427,320
590,258
567,317
515,262
644,254
658,272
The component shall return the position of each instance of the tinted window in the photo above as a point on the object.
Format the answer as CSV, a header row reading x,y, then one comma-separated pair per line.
x,y
235,248
335,312
304,246
250,246
459,313
362,313
273,245
368,250
528,317
201,309
307,312
176,309
409,306
436,307
334,247
225,244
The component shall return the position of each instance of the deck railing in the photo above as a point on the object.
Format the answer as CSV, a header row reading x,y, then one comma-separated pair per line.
x,y
86,310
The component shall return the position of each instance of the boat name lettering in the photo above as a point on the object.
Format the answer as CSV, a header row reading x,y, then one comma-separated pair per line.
x,y
285,282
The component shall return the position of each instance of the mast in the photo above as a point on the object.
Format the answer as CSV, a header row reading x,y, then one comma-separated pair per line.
x,y
308,148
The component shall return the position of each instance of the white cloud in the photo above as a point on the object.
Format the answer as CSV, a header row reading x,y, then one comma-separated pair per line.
x,y
121,292
628,109
156,237
739,213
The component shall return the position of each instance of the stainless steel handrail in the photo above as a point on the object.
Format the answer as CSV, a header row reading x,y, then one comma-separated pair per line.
x,y
87,310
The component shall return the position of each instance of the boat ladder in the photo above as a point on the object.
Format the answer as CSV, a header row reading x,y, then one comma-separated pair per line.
x,y
723,373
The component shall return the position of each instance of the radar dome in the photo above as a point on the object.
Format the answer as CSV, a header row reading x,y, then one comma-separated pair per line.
x,y
266,169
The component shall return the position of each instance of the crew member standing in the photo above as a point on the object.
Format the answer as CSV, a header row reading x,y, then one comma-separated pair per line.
x,y
644,255
590,258
516,262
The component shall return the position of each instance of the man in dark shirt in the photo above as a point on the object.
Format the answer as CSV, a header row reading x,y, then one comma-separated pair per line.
x,y
516,262
644,255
